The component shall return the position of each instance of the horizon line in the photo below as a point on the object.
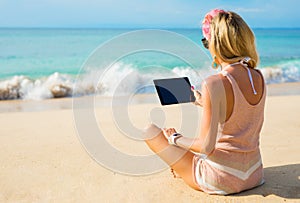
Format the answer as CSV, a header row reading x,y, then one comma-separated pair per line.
x,y
123,27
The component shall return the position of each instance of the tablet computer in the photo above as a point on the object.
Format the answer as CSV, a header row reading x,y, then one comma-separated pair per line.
x,y
174,90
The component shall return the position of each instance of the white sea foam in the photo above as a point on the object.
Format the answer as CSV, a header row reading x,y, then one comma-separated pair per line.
x,y
56,85
120,79
285,72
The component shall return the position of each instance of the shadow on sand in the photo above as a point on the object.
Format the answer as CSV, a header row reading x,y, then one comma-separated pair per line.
x,y
282,181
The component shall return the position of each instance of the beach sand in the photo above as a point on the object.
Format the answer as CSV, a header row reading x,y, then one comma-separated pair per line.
x,y
42,159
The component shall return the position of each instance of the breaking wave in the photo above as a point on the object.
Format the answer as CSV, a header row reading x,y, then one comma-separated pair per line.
x,y
119,79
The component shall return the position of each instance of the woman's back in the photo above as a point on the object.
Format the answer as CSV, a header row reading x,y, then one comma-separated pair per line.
x,y
241,77
241,129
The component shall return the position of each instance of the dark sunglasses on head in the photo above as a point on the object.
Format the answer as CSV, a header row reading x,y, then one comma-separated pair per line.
x,y
205,42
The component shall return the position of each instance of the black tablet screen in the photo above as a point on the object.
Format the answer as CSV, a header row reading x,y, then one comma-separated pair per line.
x,y
174,90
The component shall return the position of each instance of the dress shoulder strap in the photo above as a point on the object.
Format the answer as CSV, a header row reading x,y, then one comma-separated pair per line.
x,y
251,80
224,72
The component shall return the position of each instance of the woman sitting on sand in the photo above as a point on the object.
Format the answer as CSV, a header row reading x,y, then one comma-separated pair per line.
x,y
225,157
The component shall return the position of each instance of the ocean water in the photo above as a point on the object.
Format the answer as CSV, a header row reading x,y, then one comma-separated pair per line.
x,y
44,63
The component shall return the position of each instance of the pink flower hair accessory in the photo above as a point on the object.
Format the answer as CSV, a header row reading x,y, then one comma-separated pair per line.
x,y
207,21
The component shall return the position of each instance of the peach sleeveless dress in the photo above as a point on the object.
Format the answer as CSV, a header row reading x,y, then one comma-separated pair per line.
x,y
235,164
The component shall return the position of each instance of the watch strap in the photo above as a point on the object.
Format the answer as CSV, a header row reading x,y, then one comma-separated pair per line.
x,y
173,138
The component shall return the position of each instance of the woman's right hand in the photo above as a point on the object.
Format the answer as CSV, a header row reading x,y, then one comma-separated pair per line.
x,y
198,97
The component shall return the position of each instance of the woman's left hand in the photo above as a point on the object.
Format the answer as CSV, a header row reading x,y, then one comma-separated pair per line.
x,y
168,132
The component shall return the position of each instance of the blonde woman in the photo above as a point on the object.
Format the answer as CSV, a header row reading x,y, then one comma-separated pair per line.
x,y
225,157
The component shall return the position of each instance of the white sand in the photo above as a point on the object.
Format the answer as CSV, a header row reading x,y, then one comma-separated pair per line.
x,y
42,160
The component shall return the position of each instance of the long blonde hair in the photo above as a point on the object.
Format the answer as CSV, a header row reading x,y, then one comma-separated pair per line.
x,y
232,39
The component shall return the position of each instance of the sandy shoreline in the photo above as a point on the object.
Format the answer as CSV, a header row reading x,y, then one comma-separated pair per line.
x,y
42,159
282,89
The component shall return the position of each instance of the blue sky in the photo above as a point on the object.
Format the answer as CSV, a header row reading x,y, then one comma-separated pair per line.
x,y
142,13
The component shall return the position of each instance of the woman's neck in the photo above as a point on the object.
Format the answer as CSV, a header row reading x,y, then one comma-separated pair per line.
x,y
224,64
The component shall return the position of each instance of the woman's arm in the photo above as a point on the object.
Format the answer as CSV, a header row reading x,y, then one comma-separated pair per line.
x,y
212,93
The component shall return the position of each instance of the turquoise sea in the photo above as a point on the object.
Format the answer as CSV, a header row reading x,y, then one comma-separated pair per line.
x,y
43,63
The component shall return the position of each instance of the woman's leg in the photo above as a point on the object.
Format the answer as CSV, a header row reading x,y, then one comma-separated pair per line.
x,y
179,159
